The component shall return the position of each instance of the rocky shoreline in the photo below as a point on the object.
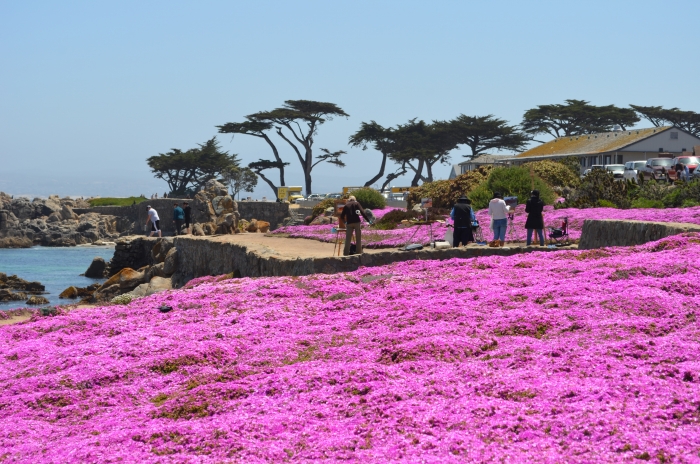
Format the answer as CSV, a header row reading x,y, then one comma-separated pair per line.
x,y
13,288
52,222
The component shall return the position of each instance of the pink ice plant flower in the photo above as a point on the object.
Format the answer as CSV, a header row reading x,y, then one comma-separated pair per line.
x,y
571,356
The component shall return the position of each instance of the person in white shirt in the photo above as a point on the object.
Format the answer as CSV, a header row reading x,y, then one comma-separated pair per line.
x,y
499,215
154,220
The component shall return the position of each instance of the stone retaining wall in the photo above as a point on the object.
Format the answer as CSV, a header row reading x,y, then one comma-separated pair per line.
x,y
133,252
272,212
598,233
269,211
199,256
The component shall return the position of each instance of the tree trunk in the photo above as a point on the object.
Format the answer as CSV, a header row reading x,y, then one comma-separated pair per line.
x,y
277,157
419,171
269,182
429,167
378,176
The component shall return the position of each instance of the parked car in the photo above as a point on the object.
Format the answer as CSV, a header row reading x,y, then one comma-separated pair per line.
x,y
334,196
293,198
655,168
617,170
315,197
632,169
685,160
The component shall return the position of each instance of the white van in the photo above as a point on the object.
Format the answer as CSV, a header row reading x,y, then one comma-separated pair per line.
x,y
632,169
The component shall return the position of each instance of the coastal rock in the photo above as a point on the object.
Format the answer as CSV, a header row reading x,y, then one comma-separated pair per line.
x,y
155,271
161,248
7,295
54,217
70,292
253,226
106,293
96,270
37,300
263,226
15,283
320,220
15,242
222,205
128,278
209,228
170,264
197,230
67,213
156,285
214,188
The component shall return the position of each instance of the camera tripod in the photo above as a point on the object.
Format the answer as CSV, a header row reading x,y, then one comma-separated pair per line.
x,y
510,231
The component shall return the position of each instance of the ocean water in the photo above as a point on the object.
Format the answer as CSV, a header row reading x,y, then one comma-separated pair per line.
x,y
57,268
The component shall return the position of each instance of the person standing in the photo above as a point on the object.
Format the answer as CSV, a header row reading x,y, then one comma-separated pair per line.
x,y
351,215
154,220
178,218
462,217
534,208
499,217
188,216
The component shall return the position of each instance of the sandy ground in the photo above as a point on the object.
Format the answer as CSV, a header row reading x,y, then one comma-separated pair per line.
x,y
275,245
25,317
285,246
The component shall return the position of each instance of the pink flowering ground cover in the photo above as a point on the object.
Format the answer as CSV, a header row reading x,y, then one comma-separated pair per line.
x,y
552,218
573,356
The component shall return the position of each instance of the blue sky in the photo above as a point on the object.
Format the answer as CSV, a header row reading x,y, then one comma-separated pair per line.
x,y
89,90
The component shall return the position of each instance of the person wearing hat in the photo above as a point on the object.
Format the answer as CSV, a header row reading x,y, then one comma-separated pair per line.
x,y
351,215
534,208
462,217
498,210
154,220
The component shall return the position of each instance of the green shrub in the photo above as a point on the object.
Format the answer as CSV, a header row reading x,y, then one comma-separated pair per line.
x,y
511,181
393,218
369,198
606,204
446,192
115,201
690,203
122,299
645,203
554,173
572,163
597,186
321,207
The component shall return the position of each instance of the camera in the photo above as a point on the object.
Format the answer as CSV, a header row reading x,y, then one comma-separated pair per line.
x,y
511,202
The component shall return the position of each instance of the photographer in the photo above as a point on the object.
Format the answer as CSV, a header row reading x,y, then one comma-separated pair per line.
x,y
499,217
534,208
351,215
462,217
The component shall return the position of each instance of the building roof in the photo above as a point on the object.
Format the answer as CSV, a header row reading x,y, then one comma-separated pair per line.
x,y
592,144
486,159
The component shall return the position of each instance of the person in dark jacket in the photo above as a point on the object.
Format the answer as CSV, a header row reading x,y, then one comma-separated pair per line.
x,y
188,216
351,215
462,216
534,208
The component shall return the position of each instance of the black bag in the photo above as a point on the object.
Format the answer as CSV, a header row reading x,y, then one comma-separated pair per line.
x,y
353,248
413,246
557,233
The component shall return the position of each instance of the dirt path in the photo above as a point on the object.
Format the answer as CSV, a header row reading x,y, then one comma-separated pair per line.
x,y
287,247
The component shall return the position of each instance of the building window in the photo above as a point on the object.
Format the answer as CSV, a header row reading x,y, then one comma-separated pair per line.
x,y
674,135
606,159
618,159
